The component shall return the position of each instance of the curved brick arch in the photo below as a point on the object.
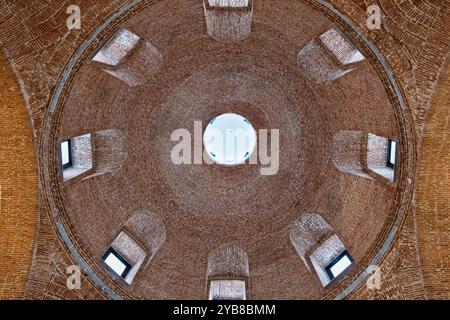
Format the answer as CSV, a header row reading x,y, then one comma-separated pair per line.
x,y
406,134
148,229
228,260
228,273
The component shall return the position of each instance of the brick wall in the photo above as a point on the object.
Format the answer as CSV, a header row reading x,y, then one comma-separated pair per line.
x,y
18,188
433,195
82,151
349,152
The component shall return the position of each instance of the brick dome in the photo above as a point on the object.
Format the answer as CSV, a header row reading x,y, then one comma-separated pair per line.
x,y
342,97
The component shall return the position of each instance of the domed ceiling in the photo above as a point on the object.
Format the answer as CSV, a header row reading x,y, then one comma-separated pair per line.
x,y
196,76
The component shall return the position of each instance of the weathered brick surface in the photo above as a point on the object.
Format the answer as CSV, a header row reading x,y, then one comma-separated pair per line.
x,y
376,151
18,188
192,200
48,275
433,200
415,41
401,272
35,41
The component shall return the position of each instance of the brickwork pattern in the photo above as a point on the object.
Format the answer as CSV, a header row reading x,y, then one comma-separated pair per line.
x,y
37,45
18,188
110,151
376,151
307,232
340,46
349,152
229,23
414,39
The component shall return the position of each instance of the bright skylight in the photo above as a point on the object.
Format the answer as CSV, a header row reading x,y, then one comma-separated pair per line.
x,y
229,139
65,152
115,264
340,266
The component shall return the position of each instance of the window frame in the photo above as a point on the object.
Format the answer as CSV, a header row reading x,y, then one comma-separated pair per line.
x,y
70,163
121,259
389,162
335,261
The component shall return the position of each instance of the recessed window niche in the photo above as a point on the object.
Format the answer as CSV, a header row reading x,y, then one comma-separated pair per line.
x,y
341,47
124,257
75,156
134,247
116,262
227,290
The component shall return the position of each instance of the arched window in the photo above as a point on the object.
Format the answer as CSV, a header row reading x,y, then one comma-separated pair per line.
x,y
228,273
328,57
136,244
320,248
129,58
349,152
109,151
340,46
365,155
228,20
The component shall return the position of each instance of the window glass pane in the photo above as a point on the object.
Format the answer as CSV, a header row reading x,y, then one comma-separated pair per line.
x,y
65,152
340,266
393,151
115,264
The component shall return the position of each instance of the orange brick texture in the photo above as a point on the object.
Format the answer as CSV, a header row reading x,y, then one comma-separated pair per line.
x,y
33,35
18,188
